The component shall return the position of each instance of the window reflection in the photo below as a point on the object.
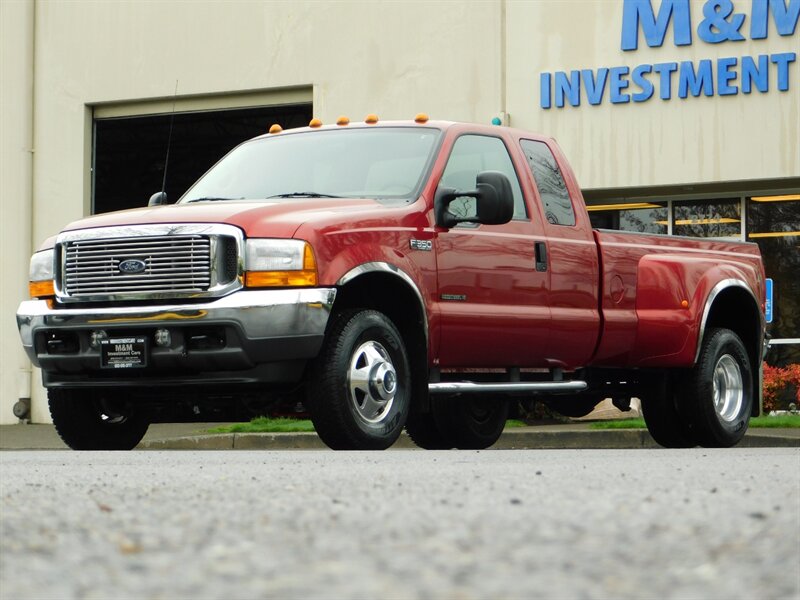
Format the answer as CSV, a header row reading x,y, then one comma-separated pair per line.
x,y
652,219
550,183
708,219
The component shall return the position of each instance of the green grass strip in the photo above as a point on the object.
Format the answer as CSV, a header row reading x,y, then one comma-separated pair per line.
x,y
286,425
267,425
780,421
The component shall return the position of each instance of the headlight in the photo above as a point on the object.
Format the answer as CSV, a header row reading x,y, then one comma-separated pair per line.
x,y
41,274
279,263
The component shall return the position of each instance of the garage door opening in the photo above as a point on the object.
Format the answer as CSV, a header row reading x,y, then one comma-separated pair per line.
x,y
130,152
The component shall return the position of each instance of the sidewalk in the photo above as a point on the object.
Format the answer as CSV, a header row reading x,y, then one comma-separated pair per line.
x,y
191,436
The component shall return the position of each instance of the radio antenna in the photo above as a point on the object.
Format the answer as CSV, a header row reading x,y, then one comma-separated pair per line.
x,y
169,139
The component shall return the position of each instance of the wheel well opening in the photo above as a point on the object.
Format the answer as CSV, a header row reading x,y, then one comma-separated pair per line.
x,y
735,309
393,297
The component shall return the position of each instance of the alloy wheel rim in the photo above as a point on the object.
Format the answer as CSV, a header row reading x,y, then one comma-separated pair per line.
x,y
728,388
372,382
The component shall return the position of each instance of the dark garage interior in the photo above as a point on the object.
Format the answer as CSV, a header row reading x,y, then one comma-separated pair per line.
x,y
130,152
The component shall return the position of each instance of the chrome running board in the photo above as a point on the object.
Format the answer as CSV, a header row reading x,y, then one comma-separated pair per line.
x,y
451,387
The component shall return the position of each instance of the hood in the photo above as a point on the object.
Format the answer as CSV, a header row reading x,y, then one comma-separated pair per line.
x,y
255,218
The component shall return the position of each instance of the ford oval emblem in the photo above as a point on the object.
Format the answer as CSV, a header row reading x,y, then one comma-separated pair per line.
x,y
132,266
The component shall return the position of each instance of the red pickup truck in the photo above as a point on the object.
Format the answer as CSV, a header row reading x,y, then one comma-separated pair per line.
x,y
423,275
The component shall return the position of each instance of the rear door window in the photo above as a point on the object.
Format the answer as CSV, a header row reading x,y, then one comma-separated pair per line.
x,y
550,183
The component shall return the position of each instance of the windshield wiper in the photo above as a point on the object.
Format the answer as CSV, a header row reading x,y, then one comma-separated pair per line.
x,y
303,195
212,199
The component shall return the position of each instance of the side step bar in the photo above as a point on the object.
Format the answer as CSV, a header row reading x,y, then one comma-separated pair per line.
x,y
452,387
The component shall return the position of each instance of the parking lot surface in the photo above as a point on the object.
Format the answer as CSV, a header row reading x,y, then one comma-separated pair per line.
x,y
403,524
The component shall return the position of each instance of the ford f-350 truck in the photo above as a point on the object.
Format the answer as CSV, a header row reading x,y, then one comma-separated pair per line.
x,y
424,275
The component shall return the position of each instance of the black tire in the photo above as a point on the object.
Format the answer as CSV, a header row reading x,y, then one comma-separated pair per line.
x,y
425,433
470,422
717,397
96,419
360,415
664,422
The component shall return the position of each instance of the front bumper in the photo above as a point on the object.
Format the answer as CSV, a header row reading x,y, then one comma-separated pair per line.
x,y
249,329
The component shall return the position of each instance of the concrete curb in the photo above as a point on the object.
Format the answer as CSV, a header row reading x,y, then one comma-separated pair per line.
x,y
186,436
510,440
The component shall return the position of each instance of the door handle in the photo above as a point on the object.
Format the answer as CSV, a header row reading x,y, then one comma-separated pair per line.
x,y
541,256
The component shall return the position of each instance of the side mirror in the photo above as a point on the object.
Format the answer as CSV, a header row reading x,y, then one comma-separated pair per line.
x,y
494,201
157,199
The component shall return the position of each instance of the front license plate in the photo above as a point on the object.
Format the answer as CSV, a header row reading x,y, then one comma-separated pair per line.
x,y
123,353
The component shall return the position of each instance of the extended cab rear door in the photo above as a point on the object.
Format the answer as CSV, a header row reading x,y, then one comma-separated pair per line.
x,y
493,301
572,257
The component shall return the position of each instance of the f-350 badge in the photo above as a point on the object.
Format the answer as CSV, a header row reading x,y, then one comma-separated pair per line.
x,y
424,245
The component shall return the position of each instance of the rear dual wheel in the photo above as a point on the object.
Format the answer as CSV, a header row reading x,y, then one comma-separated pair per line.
x,y
718,395
709,405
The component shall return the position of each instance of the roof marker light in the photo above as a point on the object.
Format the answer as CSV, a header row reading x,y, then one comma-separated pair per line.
x,y
371,119
342,120
421,118
497,121
275,128
315,123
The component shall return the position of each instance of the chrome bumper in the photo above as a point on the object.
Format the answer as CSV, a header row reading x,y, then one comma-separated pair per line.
x,y
261,314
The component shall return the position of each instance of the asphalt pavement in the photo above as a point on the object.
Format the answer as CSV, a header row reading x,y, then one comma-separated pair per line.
x,y
406,525
193,436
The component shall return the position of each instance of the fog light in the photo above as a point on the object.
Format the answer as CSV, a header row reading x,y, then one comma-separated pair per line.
x,y
97,337
163,338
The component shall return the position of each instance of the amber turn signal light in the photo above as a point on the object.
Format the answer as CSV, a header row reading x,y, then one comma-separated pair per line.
x,y
41,289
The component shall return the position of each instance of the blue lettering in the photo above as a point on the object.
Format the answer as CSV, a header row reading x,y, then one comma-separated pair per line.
x,y
785,17
544,85
568,87
640,80
637,13
716,28
665,71
752,74
618,84
688,80
594,86
724,75
783,60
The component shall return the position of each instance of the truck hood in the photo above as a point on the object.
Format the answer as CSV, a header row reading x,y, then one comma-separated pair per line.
x,y
256,218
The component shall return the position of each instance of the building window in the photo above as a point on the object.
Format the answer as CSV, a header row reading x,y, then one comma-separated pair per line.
x,y
774,223
708,219
638,217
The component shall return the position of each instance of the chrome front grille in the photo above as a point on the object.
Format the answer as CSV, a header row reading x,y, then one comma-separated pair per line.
x,y
179,263
149,262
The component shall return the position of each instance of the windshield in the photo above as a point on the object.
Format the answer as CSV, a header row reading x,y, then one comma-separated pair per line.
x,y
381,163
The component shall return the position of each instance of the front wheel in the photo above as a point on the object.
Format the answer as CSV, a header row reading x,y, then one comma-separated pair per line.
x,y
359,390
717,397
96,419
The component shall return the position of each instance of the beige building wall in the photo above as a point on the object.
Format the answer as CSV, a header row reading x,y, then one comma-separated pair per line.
x,y
657,142
16,157
467,61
